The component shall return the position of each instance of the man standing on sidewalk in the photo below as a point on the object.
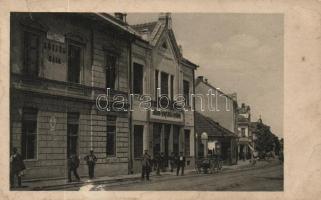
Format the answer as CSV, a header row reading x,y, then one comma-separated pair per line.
x,y
16,167
180,164
91,160
146,165
73,164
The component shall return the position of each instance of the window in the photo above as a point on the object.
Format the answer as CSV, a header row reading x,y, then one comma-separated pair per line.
x,y
172,87
156,83
186,91
111,136
187,142
74,63
138,141
164,83
243,132
29,133
138,77
72,133
31,54
110,71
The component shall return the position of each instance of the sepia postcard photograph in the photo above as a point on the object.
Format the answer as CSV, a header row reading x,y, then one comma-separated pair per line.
x,y
160,100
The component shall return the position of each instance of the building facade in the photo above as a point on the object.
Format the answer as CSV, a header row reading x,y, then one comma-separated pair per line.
x,y
165,74
212,103
59,64
218,140
244,132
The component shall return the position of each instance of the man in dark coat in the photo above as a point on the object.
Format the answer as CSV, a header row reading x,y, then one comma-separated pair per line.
x,y
91,160
180,164
16,167
73,164
146,165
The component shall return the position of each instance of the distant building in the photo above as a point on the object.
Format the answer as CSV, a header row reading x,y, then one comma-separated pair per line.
x,y
215,104
218,107
244,132
220,140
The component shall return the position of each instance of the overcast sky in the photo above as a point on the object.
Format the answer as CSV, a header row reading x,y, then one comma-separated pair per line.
x,y
240,53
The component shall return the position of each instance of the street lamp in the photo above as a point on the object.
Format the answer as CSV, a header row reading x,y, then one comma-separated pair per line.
x,y
204,138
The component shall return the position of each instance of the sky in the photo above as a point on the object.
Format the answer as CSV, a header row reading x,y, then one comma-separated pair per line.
x,y
240,53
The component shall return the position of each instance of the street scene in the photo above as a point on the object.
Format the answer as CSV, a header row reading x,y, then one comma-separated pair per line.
x,y
128,101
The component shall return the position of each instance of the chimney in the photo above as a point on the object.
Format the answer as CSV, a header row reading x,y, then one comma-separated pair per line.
x,y
165,19
200,78
121,16
205,80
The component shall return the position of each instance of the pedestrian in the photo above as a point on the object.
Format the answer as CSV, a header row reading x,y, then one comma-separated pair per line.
x,y
16,167
73,164
91,160
146,165
162,161
172,161
158,163
180,164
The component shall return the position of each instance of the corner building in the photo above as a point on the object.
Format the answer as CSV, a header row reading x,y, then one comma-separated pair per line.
x,y
168,130
59,63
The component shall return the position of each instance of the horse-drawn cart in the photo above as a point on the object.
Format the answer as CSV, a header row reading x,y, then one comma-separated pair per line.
x,y
208,165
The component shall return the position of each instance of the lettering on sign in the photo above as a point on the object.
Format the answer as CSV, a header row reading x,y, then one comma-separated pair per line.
x,y
56,37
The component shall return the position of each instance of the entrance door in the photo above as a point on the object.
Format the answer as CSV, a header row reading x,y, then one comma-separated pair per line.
x,y
72,133
156,139
176,140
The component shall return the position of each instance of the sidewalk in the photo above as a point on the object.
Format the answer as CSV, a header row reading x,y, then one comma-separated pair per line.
x,y
63,183
55,184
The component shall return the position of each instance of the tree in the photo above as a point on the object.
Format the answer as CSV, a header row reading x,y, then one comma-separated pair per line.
x,y
265,141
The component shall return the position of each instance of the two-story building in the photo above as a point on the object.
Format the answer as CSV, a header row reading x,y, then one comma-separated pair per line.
x,y
59,64
221,109
163,77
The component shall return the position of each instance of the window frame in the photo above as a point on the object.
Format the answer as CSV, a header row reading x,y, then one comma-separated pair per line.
x,y
78,131
25,69
186,96
141,148
111,123
69,43
24,153
116,68
187,132
135,64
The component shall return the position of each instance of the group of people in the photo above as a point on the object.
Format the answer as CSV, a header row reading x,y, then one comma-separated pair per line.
x,y
160,162
73,164
17,166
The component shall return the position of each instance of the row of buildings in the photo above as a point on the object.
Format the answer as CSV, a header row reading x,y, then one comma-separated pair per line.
x,y
61,63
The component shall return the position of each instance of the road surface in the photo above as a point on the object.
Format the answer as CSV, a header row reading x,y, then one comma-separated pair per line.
x,y
269,178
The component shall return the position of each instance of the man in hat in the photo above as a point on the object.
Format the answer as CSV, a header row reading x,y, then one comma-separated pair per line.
x,y
180,164
146,165
91,160
16,167
73,164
